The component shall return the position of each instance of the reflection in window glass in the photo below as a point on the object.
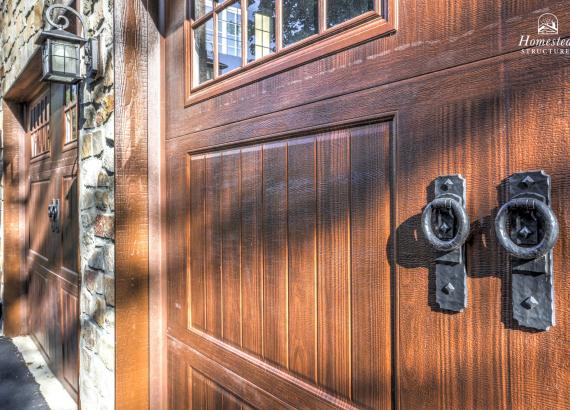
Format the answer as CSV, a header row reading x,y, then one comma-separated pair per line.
x,y
339,11
300,20
229,38
260,29
202,7
70,113
203,61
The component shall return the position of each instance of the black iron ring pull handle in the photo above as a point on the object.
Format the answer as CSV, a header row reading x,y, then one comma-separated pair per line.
x,y
462,224
549,222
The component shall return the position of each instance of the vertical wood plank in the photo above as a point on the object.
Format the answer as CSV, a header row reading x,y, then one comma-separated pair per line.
x,y
177,208
275,252
302,220
179,379
213,245
252,257
213,397
130,54
197,238
370,230
333,236
14,315
231,242
198,390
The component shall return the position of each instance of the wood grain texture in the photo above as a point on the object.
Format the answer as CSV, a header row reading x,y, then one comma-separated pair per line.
x,y
251,253
213,244
370,285
449,36
333,253
457,96
197,233
275,268
14,310
273,222
539,138
231,246
158,376
302,225
131,205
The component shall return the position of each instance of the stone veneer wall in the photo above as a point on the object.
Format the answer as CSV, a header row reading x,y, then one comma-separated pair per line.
x,y
20,22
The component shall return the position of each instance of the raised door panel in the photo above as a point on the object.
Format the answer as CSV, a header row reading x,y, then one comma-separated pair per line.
x,y
69,337
287,257
39,317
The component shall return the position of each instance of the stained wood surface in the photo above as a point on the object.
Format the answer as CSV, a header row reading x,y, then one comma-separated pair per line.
x,y
346,147
52,257
270,258
131,205
14,307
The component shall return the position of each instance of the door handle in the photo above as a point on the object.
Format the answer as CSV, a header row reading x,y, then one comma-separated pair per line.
x,y
521,209
528,229
451,209
53,214
445,225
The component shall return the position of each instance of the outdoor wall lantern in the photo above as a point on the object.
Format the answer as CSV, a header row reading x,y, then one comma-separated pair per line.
x,y
61,49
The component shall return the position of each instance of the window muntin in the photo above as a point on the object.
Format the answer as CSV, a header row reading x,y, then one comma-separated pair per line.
x,y
291,23
70,110
38,126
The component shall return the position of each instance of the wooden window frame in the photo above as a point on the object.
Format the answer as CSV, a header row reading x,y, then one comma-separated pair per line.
x,y
373,24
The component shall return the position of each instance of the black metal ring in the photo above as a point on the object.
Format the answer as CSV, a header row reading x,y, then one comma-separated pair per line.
x,y
462,224
550,228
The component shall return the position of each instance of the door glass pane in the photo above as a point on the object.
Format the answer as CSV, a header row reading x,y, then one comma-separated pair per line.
x,y
260,28
203,61
201,7
339,11
229,38
300,20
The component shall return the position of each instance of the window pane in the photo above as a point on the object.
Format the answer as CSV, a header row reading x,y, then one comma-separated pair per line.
x,y
58,49
229,38
203,60
202,7
71,66
300,20
58,63
339,11
260,28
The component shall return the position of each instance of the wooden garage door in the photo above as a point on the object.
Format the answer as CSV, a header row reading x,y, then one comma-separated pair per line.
x,y
52,245
298,274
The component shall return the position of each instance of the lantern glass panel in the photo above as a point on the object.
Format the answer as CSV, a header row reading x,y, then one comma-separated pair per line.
x,y
58,63
58,49
65,58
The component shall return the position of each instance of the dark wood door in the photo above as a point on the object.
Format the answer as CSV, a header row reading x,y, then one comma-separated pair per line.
x,y
298,275
52,252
